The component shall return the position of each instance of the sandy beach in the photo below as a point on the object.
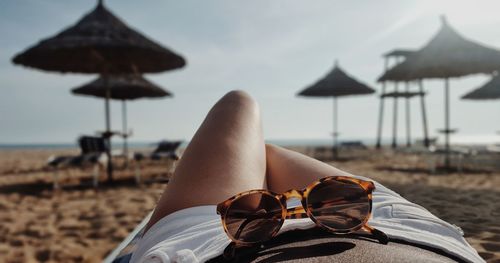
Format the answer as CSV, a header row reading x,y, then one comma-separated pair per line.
x,y
80,224
415,72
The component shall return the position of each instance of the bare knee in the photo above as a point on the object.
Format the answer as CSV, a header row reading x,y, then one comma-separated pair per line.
x,y
271,150
237,95
237,99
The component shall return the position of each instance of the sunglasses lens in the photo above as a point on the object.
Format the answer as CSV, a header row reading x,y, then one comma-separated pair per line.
x,y
254,217
339,204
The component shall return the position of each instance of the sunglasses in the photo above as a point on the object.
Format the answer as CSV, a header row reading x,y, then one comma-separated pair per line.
x,y
337,204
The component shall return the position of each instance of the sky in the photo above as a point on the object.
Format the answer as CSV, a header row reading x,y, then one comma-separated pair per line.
x,y
271,49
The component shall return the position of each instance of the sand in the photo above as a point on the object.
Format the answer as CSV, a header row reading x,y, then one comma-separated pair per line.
x,y
80,224
469,200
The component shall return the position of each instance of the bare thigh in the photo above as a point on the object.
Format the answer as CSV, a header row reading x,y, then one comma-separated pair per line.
x,y
226,156
287,169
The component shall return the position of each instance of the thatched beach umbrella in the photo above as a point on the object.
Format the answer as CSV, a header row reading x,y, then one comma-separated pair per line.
x,y
399,52
489,91
336,84
407,95
396,55
100,43
122,87
447,55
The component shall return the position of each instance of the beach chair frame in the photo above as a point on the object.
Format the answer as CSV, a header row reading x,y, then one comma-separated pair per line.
x,y
93,151
165,151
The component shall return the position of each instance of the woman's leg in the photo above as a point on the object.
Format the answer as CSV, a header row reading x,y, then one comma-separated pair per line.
x,y
287,169
226,156
291,170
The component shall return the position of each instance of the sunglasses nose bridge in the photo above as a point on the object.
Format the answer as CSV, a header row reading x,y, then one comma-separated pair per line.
x,y
296,212
293,194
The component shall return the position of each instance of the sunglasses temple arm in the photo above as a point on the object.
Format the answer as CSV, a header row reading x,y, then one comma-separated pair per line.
x,y
379,235
229,251
242,226
247,221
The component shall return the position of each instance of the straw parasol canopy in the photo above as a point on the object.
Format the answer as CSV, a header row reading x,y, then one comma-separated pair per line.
x,y
399,53
122,87
396,54
447,55
399,94
489,91
336,84
99,43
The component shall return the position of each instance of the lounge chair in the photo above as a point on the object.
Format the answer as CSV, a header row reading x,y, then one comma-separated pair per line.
x,y
93,152
321,152
165,151
493,148
486,158
326,153
351,145
457,155
123,252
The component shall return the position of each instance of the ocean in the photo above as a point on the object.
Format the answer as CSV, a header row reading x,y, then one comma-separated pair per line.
x,y
458,140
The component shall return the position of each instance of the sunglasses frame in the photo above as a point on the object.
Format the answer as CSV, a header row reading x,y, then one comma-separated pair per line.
x,y
301,211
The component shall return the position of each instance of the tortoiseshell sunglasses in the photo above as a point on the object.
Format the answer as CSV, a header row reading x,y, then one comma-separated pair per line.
x,y
338,204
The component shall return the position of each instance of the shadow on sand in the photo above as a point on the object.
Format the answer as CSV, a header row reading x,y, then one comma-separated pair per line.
x,y
439,170
473,210
37,188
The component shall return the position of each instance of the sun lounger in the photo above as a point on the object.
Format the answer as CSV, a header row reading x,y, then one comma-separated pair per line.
x,y
494,148
353,145
321,152
421,142
436,156
166,151
325,153
93,152
123,252
485,158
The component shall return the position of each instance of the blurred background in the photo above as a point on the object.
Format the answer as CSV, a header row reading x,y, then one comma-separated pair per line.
x,y
271,50
79,175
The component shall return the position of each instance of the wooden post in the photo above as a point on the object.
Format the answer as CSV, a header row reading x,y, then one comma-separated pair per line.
x,y
424,113
447,122
395,118
381,110
108,135
408,116
335,131
125,133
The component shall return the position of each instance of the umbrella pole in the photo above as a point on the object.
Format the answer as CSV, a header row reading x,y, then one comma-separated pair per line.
x,y
108,137
380,118
335,132
407,102
381,111
447,122
125,134
424,113
395,118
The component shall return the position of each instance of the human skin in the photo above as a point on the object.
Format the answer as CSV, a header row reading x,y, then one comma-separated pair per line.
x,y
227,155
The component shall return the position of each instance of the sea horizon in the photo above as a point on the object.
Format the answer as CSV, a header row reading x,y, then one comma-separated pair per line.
x,y
473,140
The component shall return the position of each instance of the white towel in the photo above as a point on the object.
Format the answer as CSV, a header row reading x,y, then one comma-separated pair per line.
x,y
196,235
